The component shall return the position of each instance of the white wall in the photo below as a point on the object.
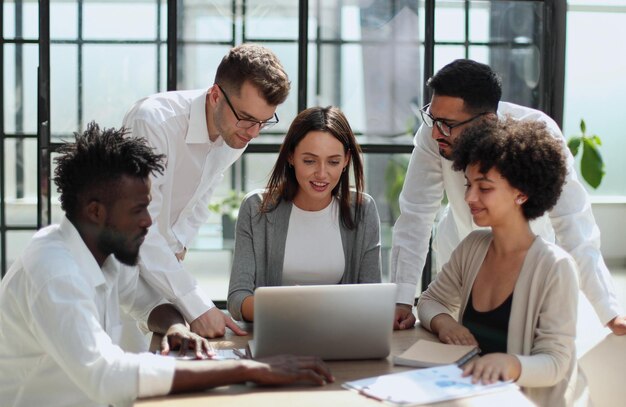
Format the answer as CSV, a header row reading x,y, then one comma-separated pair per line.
x,y
611,218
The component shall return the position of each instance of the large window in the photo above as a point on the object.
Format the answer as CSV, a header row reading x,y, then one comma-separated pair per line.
x,y
97,57
595,85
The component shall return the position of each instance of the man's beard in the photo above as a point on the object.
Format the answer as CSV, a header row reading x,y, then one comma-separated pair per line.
x,y
111,241
445,154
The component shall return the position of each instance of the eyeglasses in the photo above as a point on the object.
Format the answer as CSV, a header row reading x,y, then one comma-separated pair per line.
x,y
444,128
248,123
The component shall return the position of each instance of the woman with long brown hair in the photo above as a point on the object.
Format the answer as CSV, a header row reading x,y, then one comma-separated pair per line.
x,y
307,226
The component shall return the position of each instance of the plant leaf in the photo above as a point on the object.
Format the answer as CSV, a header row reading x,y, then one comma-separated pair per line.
x,y
573,144
596,140
583,126
591,164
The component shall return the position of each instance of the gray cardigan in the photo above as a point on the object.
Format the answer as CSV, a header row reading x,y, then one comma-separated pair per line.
x,y
260,248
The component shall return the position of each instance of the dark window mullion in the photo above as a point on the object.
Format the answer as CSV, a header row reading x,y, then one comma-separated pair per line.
x,y
79,56
43,122
3,240
158,44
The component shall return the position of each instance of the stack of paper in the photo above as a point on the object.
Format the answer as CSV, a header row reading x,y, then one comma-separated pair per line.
x,y
423,386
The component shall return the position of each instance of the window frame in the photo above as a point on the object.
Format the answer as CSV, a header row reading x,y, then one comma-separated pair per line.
x,y
552,73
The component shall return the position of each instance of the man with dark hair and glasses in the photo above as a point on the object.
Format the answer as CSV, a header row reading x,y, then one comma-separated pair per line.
x,y
201,133
464,93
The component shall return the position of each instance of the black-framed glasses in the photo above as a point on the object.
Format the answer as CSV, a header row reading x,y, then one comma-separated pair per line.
x,y
444,128
248,123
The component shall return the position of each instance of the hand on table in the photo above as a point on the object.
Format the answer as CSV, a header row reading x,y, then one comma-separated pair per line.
x,y
213,324
287,369
450,331
404,318
179,337
493,367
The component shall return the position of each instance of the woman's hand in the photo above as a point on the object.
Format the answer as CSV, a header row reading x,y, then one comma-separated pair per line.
x,y
493,367
178,336
450,331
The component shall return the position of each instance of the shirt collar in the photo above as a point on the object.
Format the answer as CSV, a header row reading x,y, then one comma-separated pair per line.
x,y
82,255
198,132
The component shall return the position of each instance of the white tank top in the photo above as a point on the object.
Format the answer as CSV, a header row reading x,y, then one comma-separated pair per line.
x,y
313,251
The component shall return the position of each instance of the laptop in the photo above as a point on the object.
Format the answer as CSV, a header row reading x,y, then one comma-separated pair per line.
x,y
343,321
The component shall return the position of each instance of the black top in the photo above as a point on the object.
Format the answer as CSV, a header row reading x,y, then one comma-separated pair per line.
x,y
490,328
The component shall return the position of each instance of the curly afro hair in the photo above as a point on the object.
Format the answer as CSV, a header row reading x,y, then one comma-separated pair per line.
x,y
524,152
88,168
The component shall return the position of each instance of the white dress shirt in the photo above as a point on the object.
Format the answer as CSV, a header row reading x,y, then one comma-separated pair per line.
x,y
59,327
429,174
174,124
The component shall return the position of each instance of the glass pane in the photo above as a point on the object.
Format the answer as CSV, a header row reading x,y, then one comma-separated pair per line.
x,y
199,64
20,88
163,77
264,16
119,20
64,89
444,54
516,21
595,73
16,243
519,62
384,177
206,21
257,170
63,20
376,77
450,20
479,53
359,19
115,76
163,27
21,19
479,14
20,177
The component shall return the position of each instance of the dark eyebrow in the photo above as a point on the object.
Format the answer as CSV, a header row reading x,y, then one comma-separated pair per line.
x,y
445,119
483,177
315,155
248,116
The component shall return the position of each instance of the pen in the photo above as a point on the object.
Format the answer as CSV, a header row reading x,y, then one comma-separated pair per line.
x,y
240,354
468,357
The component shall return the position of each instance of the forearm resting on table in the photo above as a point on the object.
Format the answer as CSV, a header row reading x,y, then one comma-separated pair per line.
x,y
163,317
197,375
247,308
439,321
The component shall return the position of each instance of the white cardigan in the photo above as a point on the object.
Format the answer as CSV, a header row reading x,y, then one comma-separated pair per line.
x,y
542,325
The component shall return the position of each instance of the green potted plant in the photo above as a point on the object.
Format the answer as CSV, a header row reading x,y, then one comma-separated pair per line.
x,y
394,180
591,162
228,207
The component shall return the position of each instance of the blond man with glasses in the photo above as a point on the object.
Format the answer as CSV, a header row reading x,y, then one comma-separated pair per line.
x,y
201,133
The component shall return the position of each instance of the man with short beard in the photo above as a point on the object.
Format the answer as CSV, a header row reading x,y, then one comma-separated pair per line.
x,y
60,301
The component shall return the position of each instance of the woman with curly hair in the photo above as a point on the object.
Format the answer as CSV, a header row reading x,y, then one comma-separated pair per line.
x,y
505,289
307,226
